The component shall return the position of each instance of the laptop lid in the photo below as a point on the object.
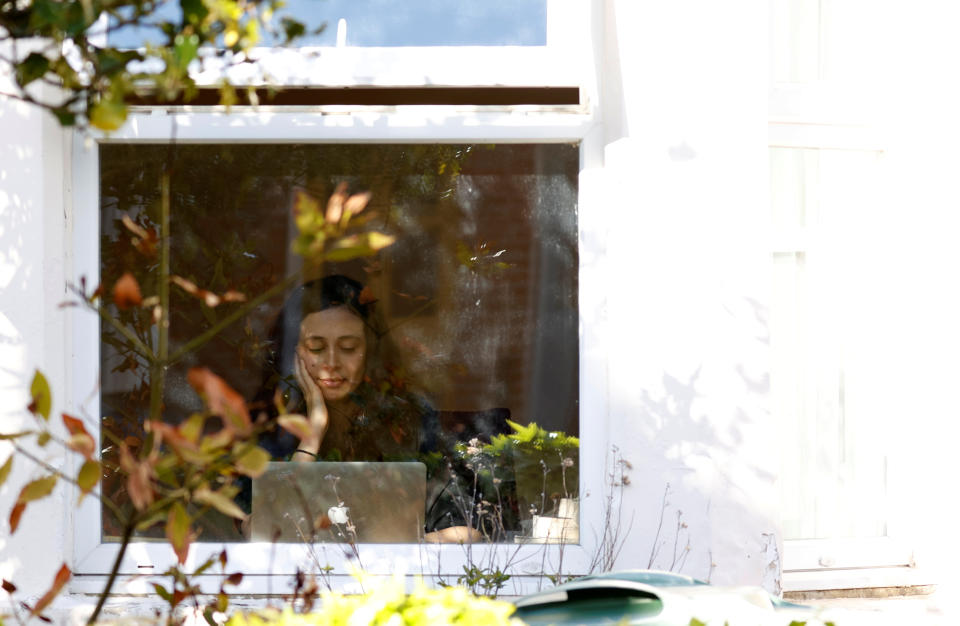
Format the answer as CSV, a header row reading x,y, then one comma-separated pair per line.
x,y
359,502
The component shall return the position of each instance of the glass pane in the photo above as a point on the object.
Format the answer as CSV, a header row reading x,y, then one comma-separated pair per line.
x,y
386,23
827,320
467,321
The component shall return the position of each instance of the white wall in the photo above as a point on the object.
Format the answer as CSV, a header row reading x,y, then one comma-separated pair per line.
x,y
685,114
32,332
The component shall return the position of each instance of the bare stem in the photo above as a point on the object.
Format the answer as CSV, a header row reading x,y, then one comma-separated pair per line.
x,y
213,331
127,534
135,342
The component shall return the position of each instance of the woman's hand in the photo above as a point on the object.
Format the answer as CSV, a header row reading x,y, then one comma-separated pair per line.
x,y
454,534
317,413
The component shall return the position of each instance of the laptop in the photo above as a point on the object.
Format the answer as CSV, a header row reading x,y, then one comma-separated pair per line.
x,y
355,502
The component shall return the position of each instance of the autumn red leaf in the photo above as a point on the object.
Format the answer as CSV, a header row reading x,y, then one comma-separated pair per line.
x,y
234,579
209,298
366,296
80,440
58,582
144,239
126,292
139,474
221,399
15,515
8,586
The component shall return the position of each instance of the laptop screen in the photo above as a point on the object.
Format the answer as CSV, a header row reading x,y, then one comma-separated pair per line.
x,y
357,502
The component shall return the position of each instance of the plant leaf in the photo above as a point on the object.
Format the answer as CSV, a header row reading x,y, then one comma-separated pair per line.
x,y
88,477
6,436
36,489
219,501
58,582
80,440
253,462
354,246
32,68
221,399
40,392
178,531
108,114
15,514
5,469
126,291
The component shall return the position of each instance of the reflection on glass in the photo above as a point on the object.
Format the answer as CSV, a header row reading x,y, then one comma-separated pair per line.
x,y
455,348
386,23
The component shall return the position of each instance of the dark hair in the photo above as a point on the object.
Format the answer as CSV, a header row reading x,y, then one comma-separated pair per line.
x,y
385,381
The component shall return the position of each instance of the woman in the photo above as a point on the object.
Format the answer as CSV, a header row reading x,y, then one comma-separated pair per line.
x,y
333,363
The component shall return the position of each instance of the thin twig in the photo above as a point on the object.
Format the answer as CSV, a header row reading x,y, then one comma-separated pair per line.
x,y
656,539
214,330
113,507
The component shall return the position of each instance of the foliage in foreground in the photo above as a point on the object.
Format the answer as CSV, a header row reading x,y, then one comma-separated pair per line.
x,y
63,46
390,605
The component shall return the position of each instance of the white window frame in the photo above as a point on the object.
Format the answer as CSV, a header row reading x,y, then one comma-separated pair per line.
x,y
840,563
564,60
92,558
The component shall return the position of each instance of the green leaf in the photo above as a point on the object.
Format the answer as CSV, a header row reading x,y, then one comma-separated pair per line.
x,y
88,476
354,246
5,469
292,29
253,462
194,11
43,439
151,520
108,114
185,50
219,501
162,592
40,392
31,68
112,61
64,116
178,531
205,566
36,489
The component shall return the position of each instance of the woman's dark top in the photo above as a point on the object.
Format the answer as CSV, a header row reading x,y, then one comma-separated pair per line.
x,y
399,428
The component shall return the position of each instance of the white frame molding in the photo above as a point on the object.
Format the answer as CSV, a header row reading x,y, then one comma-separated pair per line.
x,y
262,562
841,563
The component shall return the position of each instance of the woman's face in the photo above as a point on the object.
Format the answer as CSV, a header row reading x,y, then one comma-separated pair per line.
x,y
333,347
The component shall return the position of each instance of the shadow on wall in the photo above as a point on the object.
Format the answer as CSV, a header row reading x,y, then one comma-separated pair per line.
x,y
20,252
702,493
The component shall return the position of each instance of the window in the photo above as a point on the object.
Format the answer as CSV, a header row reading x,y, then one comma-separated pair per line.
x,y
476,302
835,321
522,168
547,137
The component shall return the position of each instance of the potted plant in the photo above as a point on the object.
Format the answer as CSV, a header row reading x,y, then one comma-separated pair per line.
x,y
541,466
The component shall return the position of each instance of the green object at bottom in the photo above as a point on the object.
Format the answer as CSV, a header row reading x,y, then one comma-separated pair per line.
x,y
593,611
